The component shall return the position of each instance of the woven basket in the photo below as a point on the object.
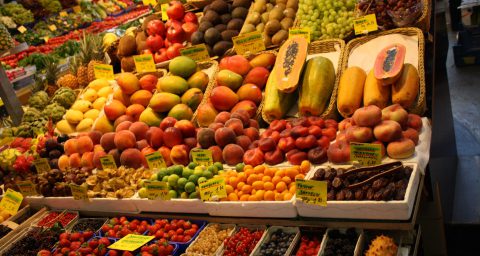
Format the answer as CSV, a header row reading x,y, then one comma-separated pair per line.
x,y
326,46
199,4
423,22
420,106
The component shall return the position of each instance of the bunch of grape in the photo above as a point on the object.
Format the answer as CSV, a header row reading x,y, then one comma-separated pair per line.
x,y
379,8
327,18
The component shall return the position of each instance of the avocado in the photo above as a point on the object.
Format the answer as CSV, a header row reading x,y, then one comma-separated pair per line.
x,y
197,37
219,6
221,27
212,16
221,47
228,34
241,3
226,18
240,13
212,36
235,24
204,25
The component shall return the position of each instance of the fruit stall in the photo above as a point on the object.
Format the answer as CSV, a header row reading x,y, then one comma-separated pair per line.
x,y
244,127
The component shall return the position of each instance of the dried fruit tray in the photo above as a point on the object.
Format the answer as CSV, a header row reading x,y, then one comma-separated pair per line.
x,y
268,234
387,210
219,249
357,252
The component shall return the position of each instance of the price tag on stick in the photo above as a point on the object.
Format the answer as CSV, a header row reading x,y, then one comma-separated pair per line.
x,y
11,201
155,160
197,52
144,63
157,190
27,188
63,14
79,192
202,156
41,165
312,191
212,189
52,27
365,24
104,71
365,153
305,32
22,29
130,242
249,43
164,8
108,162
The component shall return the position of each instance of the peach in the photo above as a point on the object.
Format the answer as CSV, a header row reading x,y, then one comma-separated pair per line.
x,y
116,155
246,105
412,134
296,156
367,116
132,157
168,122
190,142
251,133
400,149
236,125
172,136
134,111
345,124
97,148
317,155
122,97
179,155
223,98
70,147
415,122
339,152
107,141
254,157
141,144
124,139
250,92
87,160
236,63
359,134
382,146
114,109
165,151
387,131
206,137
216,126
216,153
128,82
121,119
96,159
267,144
224,136
63,163
233,154
139,129
274,157
147,150
148,82
244,141
154,137
340,136
243,115
222,117
186,127
286,144
206,114
257,76
125,125
396,113
254,123
95,136
75,161
141,97
84,144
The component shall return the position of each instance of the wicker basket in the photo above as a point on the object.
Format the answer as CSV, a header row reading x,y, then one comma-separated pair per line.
x,y
326,46
199,4
420,106
423,22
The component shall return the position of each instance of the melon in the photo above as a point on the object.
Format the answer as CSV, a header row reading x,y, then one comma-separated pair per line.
x,y
389,64
289,64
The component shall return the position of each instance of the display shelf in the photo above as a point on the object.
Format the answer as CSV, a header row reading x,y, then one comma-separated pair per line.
x,y
10,237
16,49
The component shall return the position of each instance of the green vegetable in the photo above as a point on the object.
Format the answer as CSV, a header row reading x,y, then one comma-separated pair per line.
x,y
19,14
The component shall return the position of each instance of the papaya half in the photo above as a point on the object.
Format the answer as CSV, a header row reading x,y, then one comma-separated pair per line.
x,y
350,90
405,90
289,64
375,93
317,86
389,63
276,103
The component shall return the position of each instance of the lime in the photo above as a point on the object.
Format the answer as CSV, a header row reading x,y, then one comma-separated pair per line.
x,y
218,165
181,182
172,194
201,179
213,169
207,174
198,172
162,172
142,183
172,180
165,178
177,169
192,165
239,167
187,172
190,187
169,170
200,167
184,195
154,177
193,178
194,195
142,193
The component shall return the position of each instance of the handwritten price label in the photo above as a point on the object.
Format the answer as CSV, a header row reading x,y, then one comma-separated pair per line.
x,y
202,156
249,43
365,153
11,201
108,162
312,191
27,188
79,192
150,2
144,63
22,29
157,190
164,8
304,32
130,242
41,165
365,24
155,160
197,52
104,71
212,189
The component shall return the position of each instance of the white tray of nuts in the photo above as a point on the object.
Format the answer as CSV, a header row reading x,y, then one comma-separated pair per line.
x,y
210,240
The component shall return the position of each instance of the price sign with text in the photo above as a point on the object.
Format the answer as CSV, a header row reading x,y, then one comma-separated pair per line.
x,y
164,8
365,24
365,153
197,52
27,188
79,192
11,201
305,32
104,71
22,29
212,189
202,156
157,190
155,160
150,2
249,43
41,165
144,63
130,242
312,191
108,162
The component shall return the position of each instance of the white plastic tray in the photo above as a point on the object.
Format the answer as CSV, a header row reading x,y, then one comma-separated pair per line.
x,y
93,204
260,209
173,205
270,230
358,246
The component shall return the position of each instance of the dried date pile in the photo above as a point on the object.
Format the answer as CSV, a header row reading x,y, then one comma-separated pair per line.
x,y
340,244
381,183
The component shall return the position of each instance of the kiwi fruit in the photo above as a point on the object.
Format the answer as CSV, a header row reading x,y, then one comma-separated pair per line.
x,y
265,17
241,3
221,27
212,36
267,40
276,14
269,7
272,27
281,1
279,37
260,27
225,18
127,46
235,24
259,6
254,18
140,37
289,13
247,28
211,16
221,47
219,6
281,6
292,4
204,25
240,13
228,34
128,64
286,23
197,37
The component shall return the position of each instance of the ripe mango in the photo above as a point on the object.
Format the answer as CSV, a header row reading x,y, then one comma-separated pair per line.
x,y
65,127
74,116
85,125
192,98
181,112
230,79
150,117
172,84
164,101
97,84
198,80
81,105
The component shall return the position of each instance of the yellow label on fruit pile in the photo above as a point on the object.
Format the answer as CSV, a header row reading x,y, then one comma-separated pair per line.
x,y
212,189
130,242
11,201
22,29
63,14
155,160
305,32
46,38
104,71
249,43
150,2
52,27
41,165
365,24
365,153
144,63
197,52
79,192
164,8
312,191
77,9
157,190
27,188
108,162
202,156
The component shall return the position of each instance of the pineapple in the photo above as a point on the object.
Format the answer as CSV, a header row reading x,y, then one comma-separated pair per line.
x,y
68,80
51,70
91,53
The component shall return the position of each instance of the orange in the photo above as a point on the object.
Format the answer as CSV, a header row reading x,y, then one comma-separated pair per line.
x,y
253,198
278,196
260,176
269,196
259,169
291,172
305,166
253,191
229,189
258,185
242,177
281,186
233,181
239,193
269,172
260,194
252,178
244,198
291,188
232,197
248,172
286,179
300,176
268,186
280,173
240,185
287,196
266,178
247,189
276,179
247,167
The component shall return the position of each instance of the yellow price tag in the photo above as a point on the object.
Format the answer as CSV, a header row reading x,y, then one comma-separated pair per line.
x,y
312,191
365,153
249,43
305,32
46,38
164,8
52,27
197,52
150,2
104,71
22,29
77,8
130,242
365,24
79,192
144,63
27,188
155,160
157,190
202,156
63,14
11,201
41,165
1,102
212,189
108,162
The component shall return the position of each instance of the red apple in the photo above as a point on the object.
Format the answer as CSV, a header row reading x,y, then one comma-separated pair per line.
x,y
190,17
154,42
175,10
160,56
174,50
156,27
189,29
175,33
